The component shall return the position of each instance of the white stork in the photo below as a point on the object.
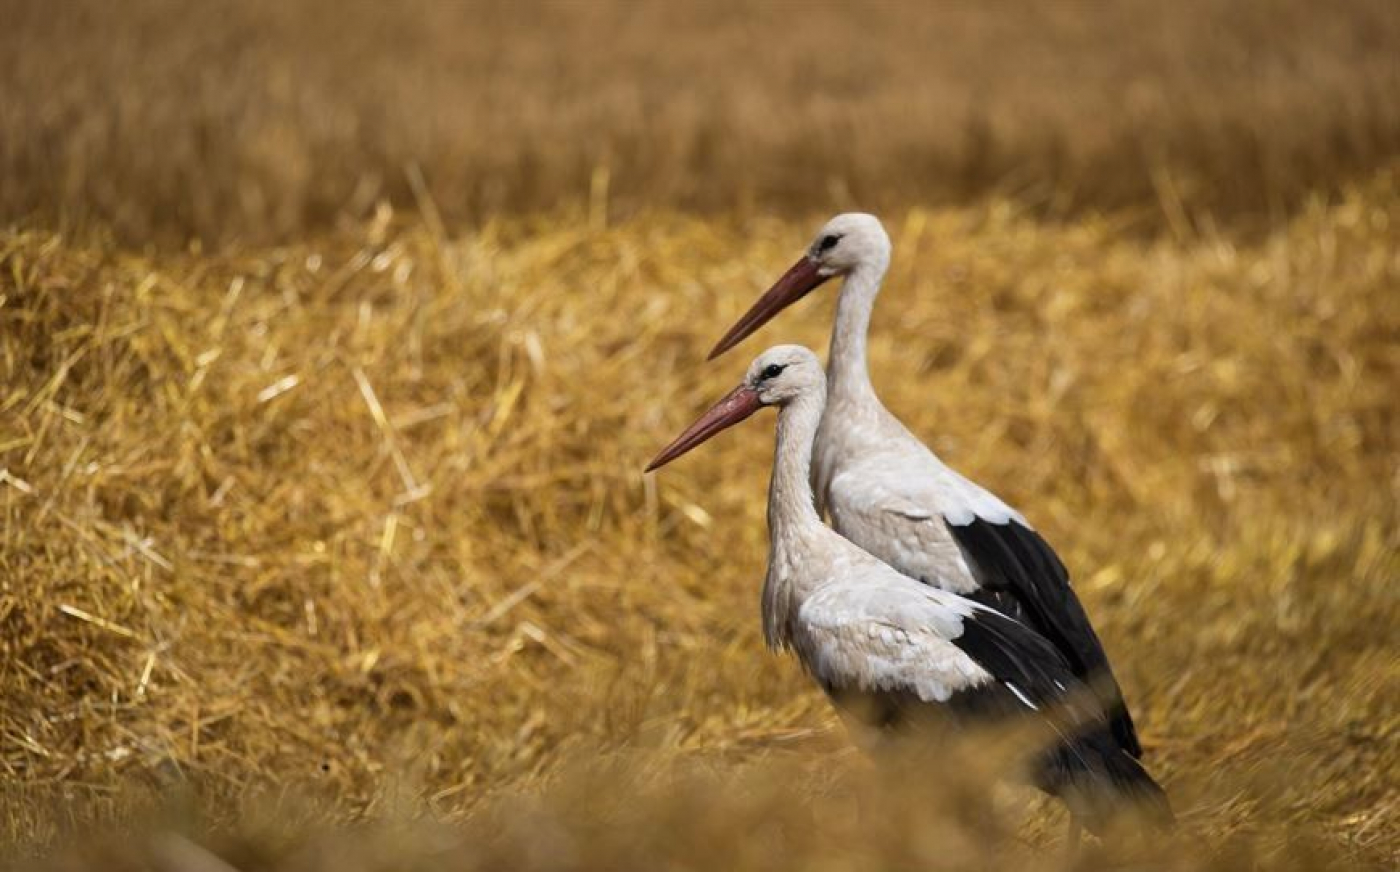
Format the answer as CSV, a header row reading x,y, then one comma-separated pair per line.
x,y
886,647
891,495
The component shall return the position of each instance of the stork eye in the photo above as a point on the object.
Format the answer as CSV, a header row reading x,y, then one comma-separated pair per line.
x,y
772,370
827,243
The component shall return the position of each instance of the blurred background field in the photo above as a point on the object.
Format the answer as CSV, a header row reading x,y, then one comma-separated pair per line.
x,y
333,341
260,120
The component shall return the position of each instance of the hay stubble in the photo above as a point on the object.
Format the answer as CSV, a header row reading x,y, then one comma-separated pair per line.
x,y
361,521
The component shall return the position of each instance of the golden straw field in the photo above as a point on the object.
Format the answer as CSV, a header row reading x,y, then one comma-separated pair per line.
x,y
332,347
255,120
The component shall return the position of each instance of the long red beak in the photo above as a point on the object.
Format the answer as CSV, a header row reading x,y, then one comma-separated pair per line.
x,y
795,284
737,405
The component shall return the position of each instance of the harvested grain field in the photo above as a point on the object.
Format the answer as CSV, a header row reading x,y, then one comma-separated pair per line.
x,y
329,548
258,120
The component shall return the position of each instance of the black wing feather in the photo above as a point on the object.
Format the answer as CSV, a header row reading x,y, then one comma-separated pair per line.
x,y
1012,652
1090,769
1024,579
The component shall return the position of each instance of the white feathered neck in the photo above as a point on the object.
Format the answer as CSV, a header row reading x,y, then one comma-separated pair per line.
x,y
796,533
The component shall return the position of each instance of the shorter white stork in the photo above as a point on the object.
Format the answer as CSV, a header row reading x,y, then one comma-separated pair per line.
x,y
885,647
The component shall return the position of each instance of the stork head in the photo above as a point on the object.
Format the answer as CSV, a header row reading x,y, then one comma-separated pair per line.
x,y
775,378
845,244
783,373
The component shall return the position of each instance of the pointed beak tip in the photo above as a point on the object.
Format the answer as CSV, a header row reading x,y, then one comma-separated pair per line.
x,y
737,405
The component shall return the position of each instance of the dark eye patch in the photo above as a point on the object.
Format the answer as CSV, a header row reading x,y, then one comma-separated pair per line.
x,y
772,370
827,243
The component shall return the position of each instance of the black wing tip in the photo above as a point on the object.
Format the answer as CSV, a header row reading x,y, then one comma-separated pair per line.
x,y
1147,796
1101,781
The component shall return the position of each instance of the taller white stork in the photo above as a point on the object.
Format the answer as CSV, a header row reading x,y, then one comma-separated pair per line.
x,y
887,492
886,647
